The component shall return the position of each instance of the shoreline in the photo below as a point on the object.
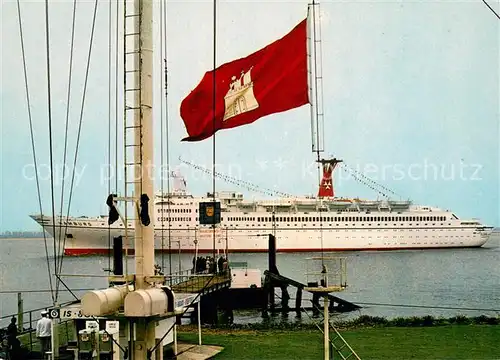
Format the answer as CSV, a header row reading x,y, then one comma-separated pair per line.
x,y
361,322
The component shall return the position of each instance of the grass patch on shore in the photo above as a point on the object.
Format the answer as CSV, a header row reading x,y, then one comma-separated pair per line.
x,y
443,342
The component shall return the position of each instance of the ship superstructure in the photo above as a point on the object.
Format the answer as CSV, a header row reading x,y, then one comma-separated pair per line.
x,y
300,224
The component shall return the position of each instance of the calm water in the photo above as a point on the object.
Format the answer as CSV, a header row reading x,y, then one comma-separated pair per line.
x,y
464,278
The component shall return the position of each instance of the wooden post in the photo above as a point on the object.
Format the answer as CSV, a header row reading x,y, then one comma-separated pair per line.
x,y
227,249
272,267
20,311
298,300
326,329
199,321
180,268
31,332
55,337
175,340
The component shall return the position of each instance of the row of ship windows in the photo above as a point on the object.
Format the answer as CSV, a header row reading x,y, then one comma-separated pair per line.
x,y
343,229
165,219
167,210
399,237
76,223
339,218
317,218
353,224
390,238
304,219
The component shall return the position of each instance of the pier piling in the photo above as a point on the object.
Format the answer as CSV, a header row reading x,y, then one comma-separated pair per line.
x,y
272,268
20,312
118,255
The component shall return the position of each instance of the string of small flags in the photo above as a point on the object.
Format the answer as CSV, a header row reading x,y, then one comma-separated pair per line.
x,y
242,183
370,180
364,182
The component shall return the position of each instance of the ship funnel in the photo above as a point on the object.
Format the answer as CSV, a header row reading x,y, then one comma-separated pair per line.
x,y
326,184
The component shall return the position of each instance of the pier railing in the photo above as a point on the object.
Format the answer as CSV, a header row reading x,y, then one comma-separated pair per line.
x,y
187,281
26,322
330,272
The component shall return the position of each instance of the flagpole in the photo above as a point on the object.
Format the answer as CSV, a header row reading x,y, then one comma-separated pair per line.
x,y
310,73
317,146
214,115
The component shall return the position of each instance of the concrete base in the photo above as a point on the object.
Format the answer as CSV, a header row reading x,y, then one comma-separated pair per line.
x,y
197,352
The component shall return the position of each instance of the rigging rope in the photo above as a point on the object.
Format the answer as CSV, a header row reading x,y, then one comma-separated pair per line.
x,y
80,124
167,129
241,183
49,109
410,306
214,108
33,147
316,95
116,92
164,55
59,250
493,11
109,128
358,175
161,139
186,308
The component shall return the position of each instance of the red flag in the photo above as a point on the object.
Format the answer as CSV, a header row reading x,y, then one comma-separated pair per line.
x,y
271,80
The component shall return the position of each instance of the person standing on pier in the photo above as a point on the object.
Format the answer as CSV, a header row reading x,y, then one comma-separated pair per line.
x,y
12,330
13,343
219,264
43,332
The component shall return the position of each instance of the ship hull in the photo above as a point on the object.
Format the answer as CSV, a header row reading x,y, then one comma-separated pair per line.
x,y
105,251
92,241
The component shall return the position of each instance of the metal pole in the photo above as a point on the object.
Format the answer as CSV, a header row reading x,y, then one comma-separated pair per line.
x,y
179,257
326,329
31,332
20,311
175,339
52,341
195,250
55,336
213,253
199,321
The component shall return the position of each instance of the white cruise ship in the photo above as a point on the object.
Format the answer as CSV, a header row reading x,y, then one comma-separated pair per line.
x,y
300,224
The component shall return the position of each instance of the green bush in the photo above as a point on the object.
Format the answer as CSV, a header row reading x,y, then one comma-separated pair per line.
x,y
361,322
485,320
460,320
428,320
399,321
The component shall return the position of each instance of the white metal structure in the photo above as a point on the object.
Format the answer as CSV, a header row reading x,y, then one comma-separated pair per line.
x,y
138,124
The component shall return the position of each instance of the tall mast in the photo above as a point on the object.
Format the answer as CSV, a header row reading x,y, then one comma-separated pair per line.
x,y
143,154
325,166
138,138
143,134
316,80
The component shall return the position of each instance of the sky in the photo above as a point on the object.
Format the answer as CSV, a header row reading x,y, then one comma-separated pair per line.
x,y
411,94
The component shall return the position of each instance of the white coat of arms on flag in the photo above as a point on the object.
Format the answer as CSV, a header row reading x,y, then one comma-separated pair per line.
x,y
240,97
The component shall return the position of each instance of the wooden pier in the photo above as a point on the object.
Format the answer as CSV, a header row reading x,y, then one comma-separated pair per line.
x,y
276,280
203,283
